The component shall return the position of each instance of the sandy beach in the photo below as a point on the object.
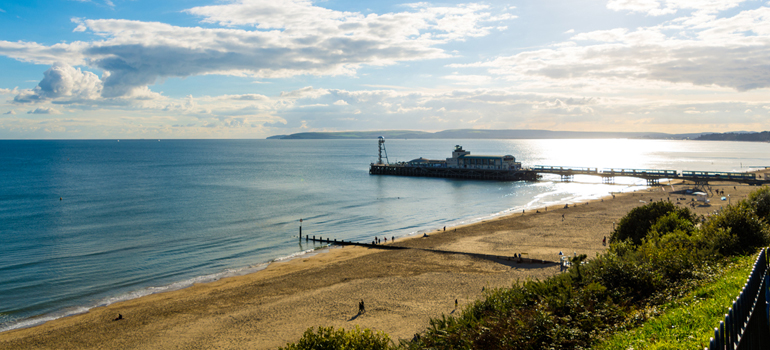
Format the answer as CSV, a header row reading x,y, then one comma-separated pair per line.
x,y
402,289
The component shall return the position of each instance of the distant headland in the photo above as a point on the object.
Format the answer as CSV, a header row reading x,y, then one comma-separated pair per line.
x,y
523,134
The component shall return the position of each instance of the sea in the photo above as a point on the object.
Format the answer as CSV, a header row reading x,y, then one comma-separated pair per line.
x,y
87,223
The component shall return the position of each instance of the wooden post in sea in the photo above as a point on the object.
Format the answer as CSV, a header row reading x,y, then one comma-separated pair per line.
x,y
300,229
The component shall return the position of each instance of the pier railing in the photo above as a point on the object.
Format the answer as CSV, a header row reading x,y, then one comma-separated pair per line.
x,y
746,325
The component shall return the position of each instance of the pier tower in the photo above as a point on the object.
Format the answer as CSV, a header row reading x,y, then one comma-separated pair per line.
x,y
381,148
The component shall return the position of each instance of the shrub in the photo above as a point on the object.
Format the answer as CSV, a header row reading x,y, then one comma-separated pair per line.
x,y
326,338
680,220
635,225
737,229
760,201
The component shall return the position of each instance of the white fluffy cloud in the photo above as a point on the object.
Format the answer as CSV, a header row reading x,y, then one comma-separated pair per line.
x,y
64,81
286,38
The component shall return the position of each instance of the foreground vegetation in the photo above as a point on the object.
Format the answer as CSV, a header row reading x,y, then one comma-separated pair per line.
x,y
661,258
688,322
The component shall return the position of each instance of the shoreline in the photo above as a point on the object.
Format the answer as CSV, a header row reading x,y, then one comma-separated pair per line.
x,y
258,267
288,296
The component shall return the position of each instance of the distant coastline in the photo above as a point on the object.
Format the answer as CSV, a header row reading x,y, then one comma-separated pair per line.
x,y
737,136
522,134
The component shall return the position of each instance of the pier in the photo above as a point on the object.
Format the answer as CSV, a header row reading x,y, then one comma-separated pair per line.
x,y
463,165
653,176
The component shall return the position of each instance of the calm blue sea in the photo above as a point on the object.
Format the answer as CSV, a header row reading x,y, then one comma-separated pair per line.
x,y
89,223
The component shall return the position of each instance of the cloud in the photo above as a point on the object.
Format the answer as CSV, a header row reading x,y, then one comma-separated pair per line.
x,y
81,26
340,103
665,7
63,81
11,112
504,109
469,79
286,38
731,52
612,35
245,97
107,3
43,110
306,92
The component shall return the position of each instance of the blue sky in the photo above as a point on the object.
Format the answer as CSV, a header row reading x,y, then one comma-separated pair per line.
x,y
252,68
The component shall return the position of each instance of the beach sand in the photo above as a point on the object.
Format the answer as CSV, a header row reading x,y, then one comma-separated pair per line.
x,y
401,289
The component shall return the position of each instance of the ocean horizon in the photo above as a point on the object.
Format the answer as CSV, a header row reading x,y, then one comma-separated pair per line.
x,y
87,223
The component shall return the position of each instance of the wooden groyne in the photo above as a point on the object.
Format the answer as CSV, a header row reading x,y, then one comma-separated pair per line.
x,y
517,259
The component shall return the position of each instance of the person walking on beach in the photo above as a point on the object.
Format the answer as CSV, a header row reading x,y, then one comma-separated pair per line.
x,y
361,307
604,241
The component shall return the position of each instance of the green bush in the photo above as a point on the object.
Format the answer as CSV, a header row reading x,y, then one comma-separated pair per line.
x,y
635,225
326,338
737,230
679,220
760,201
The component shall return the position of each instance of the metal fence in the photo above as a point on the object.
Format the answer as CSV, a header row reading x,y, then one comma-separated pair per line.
x,y
746,323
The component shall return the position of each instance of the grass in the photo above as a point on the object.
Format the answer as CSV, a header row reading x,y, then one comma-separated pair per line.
x,y
688,322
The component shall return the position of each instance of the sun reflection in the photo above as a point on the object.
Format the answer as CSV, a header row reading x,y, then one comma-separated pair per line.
x,y
601,153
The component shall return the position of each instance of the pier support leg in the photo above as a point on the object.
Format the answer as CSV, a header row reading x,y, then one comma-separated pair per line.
x,y
653,182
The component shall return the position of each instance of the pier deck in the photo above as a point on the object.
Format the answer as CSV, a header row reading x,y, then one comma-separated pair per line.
x,y
653,176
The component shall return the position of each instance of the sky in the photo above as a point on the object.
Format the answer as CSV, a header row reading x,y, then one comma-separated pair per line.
x,y
103,69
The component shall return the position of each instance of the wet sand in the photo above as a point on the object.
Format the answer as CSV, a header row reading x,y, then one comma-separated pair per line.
x,y
401,289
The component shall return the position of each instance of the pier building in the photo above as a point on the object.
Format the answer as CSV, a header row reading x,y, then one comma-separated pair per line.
x,y
461,165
